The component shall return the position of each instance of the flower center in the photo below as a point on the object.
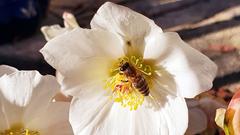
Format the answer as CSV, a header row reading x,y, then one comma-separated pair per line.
x,y
129,81
19,130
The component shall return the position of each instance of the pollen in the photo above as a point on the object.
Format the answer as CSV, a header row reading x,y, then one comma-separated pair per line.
x,y
121,88
124,93
19,130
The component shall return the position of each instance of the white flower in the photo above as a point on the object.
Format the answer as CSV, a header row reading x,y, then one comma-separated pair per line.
x,y
26,107
106,102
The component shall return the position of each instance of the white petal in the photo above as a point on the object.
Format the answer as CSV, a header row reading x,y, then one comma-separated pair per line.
x,y
220,116
69,20
5,69
82,55
54,121
8,113
131,26
90,107
90,72
171,119
193,72
197,121
26,92
3,120
53,31
68,50
44,91
164,83
176,114
14,96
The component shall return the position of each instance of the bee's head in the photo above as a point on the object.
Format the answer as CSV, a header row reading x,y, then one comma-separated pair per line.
x,y
124,66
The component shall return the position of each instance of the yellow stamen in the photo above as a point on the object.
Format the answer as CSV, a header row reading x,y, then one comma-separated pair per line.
x,y
121,88
124,93
139,64
18,130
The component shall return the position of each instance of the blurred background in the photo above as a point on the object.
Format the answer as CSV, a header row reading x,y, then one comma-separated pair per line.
x,y
211,26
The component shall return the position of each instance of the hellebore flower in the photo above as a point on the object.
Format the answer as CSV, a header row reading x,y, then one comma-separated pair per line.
x,y
229,119
127,76
26,107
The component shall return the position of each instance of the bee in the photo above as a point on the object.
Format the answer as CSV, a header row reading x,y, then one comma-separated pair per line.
x,y
137,79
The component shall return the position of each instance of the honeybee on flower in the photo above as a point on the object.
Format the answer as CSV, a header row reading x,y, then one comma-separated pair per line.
x,y
107,100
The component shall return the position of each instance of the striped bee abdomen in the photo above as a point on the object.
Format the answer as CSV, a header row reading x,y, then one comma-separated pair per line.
x,y
140,83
